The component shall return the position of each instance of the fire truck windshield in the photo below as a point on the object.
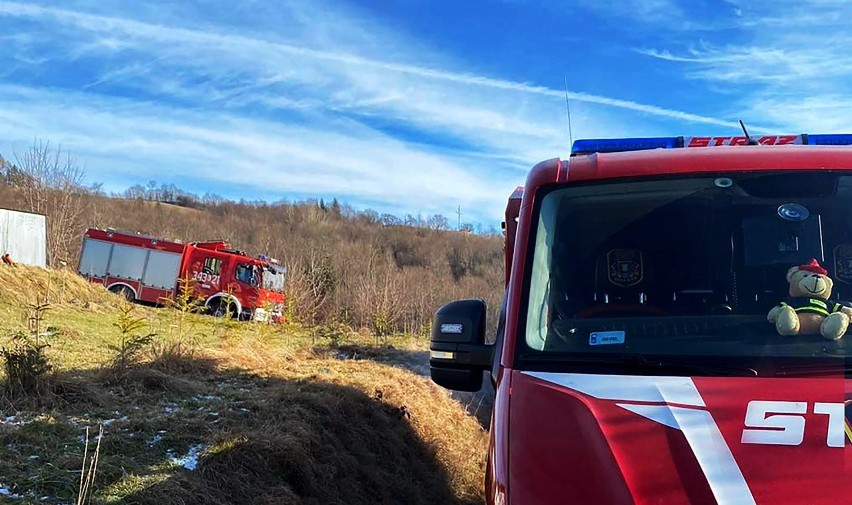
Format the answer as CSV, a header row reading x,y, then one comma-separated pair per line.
x,y
686,269
273,278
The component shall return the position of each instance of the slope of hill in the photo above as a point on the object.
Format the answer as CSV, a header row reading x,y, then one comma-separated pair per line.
x,y
212,411
357,268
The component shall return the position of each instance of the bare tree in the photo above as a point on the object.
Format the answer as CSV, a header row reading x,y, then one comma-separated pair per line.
x,y
438,222
53,186
136,191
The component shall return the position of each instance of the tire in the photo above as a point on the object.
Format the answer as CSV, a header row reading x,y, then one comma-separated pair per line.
x,y
221,307
124,292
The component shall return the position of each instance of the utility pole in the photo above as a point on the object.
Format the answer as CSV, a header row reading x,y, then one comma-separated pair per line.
x,y
458,212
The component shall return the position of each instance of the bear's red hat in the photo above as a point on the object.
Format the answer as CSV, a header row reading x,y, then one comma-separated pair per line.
x,y
814,267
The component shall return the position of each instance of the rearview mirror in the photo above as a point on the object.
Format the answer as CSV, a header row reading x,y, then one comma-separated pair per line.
x,y
458,354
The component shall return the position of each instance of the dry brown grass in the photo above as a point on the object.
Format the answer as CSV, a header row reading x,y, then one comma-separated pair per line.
x,y
260,357
21,284
275,419
457,438
337,432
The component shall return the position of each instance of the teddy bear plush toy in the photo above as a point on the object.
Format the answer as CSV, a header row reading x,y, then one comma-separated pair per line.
x,y
810,309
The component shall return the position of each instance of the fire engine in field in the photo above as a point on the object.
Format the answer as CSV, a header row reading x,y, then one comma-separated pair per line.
x,y
639,356
149,269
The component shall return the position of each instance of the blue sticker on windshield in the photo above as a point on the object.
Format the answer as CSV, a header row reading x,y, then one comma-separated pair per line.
x,y
606,337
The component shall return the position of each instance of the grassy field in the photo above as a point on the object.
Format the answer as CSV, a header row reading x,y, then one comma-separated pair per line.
x,y
207,410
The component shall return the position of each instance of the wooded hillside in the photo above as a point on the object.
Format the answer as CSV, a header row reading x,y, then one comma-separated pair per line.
x,y
358,268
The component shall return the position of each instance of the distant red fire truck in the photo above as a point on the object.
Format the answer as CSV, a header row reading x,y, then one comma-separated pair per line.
x,y
148,269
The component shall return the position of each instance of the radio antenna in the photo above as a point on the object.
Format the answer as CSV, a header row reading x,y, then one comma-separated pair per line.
x,y
568,111
750,140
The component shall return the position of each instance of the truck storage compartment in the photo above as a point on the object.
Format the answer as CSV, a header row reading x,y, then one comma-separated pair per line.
x,y
162,270
94,258
127,262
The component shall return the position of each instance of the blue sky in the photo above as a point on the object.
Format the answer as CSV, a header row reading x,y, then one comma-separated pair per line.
x,y
404,106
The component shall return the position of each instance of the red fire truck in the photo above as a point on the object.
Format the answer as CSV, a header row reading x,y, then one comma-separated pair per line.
x,y
149,269
634,362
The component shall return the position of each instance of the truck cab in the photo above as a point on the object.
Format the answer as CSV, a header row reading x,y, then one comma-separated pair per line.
x,y
232,282
634,362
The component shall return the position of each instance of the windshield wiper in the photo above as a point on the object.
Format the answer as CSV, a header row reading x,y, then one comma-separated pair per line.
x,y
807,370
645,364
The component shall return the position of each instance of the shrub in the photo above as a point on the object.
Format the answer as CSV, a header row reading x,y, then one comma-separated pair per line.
x,y
27,366
26,363
336,333
131,343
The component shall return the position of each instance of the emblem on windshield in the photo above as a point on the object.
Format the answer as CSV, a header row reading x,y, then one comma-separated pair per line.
x,y
625,267
843,263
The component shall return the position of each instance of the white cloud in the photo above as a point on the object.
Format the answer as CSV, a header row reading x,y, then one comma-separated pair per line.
x,y
128,141
830,113
789,71
314,109
781,63
210,49
646,11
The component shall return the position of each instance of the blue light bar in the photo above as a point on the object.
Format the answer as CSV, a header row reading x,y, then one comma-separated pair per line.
x,y
838,139
617,145
590,146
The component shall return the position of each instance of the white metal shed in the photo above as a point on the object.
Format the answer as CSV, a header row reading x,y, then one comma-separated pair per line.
x,y
24,237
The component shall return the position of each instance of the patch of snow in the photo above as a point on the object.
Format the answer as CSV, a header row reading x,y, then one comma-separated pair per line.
x,y
82,439
155,440
34,456
209,398
107,422
190,461
15,420
5,491
171,409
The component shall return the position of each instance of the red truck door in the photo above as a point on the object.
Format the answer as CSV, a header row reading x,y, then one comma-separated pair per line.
x,y
243,281
204,267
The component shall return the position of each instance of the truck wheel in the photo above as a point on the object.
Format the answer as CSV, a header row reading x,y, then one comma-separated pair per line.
x,y
124,292
221,308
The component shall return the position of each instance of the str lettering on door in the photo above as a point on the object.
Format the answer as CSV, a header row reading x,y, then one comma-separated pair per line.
x,y
783,423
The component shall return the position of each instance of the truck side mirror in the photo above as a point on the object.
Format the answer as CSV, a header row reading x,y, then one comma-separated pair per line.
x,y
458,354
